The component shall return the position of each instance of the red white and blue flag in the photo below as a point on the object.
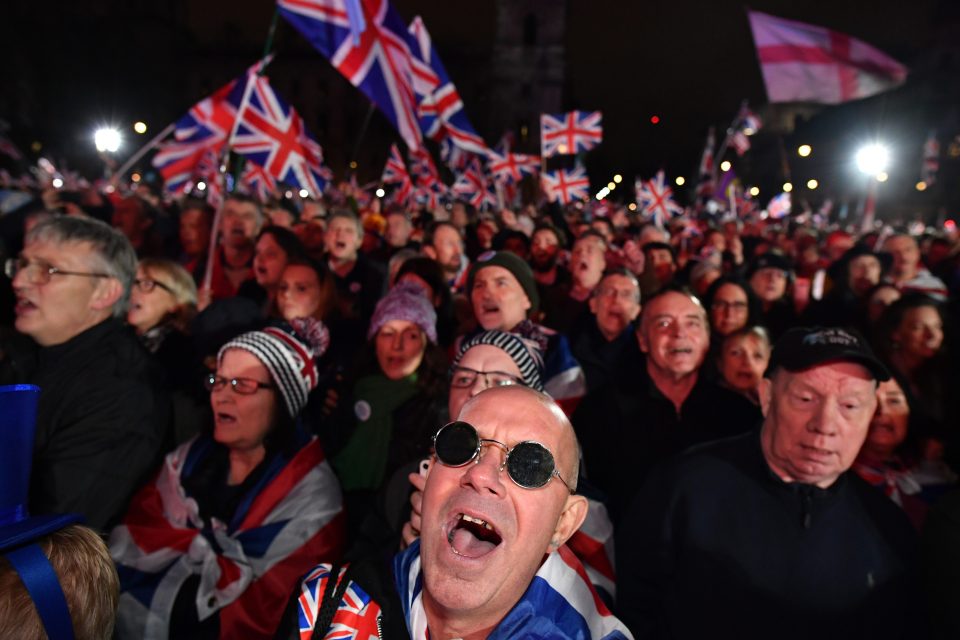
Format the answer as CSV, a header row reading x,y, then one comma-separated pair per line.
x,y
440,107
565,186
371,48
560,598
257,181
395,173
779,206
472,185
570,133
511,167
272,134
247,567
655,199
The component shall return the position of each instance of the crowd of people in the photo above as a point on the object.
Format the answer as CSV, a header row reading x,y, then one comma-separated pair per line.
x,y
328,417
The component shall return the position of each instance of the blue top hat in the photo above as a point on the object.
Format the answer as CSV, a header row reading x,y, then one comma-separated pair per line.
x,y
18,530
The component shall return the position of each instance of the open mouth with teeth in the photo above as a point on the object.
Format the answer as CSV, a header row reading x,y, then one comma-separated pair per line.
x,y
680,351
472,537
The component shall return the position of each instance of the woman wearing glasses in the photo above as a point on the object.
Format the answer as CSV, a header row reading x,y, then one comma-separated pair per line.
x,y
214,545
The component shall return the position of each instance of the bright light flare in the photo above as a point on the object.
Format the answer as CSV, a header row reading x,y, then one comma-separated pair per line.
x,y
873,159
883,176
618,178
754,191
725,165
804,150
787,187
380,193
921,186
304,193
680,181
812,184
140,127
201,186
107,139
57,183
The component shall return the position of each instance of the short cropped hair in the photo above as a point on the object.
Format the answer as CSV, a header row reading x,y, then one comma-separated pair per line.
x,y
88,579
346,214
112,251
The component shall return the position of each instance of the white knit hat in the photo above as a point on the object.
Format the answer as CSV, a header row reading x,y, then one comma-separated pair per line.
x,y
289,356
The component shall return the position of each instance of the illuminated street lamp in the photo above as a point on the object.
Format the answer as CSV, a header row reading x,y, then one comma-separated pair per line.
x,y
754,191
680,181
725,165
787,187
140,127
618,178
380,192
921,186
107,139
804,150
812,184
873,159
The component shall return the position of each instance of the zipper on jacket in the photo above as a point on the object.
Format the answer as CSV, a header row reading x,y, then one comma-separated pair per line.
x,y
380,625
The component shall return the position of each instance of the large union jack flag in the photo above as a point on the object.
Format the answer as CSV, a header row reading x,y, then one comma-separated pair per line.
x,y
371,50
272,134
511,167
570,133
655,199
440,109
565,186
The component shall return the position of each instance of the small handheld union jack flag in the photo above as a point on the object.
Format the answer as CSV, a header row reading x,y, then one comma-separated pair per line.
x,y
472,185
511,167
655,199
272,134
570,133
395,172
256,181
566,186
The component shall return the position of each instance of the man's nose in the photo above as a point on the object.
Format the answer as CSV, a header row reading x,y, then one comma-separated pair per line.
x,y
826,418
483,475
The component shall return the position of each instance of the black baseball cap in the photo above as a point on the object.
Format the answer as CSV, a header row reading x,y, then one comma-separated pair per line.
x,y
770,260
802,348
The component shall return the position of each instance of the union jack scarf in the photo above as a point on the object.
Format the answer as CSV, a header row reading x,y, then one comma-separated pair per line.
x,y
559,603
292,519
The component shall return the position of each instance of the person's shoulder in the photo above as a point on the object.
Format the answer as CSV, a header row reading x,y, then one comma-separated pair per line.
x,y
707,464
889,519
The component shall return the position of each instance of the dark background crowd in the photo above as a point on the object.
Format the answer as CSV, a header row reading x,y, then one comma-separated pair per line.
x,y
652,340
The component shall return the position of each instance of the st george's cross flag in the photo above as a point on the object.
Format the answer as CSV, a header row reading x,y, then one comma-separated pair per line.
x,y
370,48
565,186
805,63
570,133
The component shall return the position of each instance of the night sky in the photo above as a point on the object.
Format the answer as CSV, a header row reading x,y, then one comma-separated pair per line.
x,y
70,67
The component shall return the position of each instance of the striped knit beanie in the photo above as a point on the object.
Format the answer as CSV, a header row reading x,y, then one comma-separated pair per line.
x,y
289,354
525,355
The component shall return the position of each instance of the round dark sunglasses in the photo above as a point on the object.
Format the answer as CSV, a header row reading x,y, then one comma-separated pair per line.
x,y
529,464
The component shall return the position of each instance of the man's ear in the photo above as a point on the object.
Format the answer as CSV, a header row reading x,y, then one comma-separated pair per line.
x,y
108,293
765,391
573,515
641,339
593,305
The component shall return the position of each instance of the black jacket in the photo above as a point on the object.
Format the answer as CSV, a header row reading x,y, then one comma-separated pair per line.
x,y
629,426
102,424
716,543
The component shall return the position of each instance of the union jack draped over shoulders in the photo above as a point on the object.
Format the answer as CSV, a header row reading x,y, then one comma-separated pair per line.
x,y
292,520
570,133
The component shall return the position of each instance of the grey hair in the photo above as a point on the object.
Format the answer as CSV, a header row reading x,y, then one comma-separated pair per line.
x,y
113,253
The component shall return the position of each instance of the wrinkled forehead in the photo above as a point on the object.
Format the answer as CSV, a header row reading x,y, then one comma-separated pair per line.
x,y
516,414
61,251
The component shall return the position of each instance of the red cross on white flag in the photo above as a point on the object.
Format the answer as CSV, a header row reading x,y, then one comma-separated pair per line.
x,y
806,63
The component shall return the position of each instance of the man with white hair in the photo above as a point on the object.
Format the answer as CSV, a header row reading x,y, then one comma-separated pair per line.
x,y
768,534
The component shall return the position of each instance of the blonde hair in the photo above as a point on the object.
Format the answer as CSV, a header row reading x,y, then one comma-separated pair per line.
x,y
89,581
182,287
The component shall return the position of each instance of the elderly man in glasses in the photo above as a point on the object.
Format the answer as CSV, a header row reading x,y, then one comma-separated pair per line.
x,y
498,505
768,534
102,418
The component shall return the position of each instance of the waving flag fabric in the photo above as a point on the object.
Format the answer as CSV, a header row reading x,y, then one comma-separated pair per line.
x,y
931,159
570,133
472,186
511,167
377,61
805,63
395,173
272,134
566,186
247,567
440,108
655,199
257,181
